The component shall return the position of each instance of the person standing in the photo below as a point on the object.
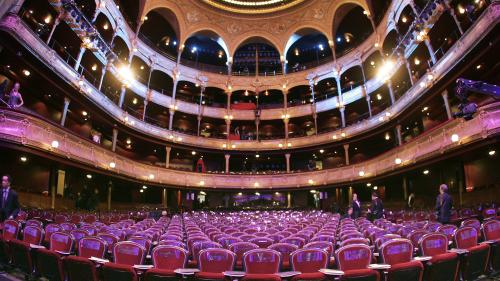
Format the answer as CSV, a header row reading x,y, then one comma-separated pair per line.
x,y
9,204
444,203
377,208
356,206
15,99
411,201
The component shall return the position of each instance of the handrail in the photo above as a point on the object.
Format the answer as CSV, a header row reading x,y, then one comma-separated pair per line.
x,y
29,131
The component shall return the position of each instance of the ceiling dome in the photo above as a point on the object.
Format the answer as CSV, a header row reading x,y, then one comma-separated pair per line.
x,y
252,6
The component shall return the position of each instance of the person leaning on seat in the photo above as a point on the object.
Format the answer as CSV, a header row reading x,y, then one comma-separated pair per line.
x,y
444,203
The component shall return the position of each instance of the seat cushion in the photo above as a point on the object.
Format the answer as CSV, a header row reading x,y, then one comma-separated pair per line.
x,y
361,275
113,271
49,264
156,274
406,271
210,275
261,277
309,276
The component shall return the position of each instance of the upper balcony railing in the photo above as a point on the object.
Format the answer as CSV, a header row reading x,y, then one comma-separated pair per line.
x,y
34,133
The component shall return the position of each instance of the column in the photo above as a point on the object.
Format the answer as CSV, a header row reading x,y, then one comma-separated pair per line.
x,y
198,118
229,64
285,121
228,127
164,198
257,122
167,158
171,111
115,137
122,96
103,73
444,94
431,50
408,68
346,153
349,194
285,98
391,92
174,89
228,101
56,23
398,135
287,158
53,183
109,196
227,156
79,58
405,188
368,102
342,115
179,200
65,110
289,199
315,117
145,106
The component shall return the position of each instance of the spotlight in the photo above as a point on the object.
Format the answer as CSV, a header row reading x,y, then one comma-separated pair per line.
x,y
361,173
368,184
23,159
94,67
105,26
89,176
144,187
321,151
47,19
193,152
112,165
397,161
84,113
404,19
55,144
454,138
141,191
26,72
426,172
491,152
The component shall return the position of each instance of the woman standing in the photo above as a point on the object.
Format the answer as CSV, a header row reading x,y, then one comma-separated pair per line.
x,y
356,206
15,98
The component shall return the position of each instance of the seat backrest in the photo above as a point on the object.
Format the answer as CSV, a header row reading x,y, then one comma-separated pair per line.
x,y
51,228
351,241
61,241
355,256
466,237
34,222
415,235
92,247
433,244
262,242
322,245
448,230
129,253
239,248
68,226
202,245
472,223
385,238
79,234
491,230
297,241
10,230
262,261
172,243
169,257
396,251
143,241
309,260
33,234
216,260
285,249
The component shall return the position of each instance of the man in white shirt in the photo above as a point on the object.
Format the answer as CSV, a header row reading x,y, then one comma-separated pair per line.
x,y
9,204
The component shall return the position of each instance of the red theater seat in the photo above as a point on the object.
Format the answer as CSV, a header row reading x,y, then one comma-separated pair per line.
x,y
491,232
354,260
398,253
240,248
309,262
261,265
126,255
49,261
166,259
475,261
213,262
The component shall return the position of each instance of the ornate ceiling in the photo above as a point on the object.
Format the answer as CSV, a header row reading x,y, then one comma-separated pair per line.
x,y
252,7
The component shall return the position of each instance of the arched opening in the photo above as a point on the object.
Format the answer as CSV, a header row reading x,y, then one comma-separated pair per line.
x,y
351,78
205,50
130,11
141,70
120,49
270,99
271,129
160,31
299,95
90,68
213,128
468,12
325,89
420,61
356,111
301,126
104,27
40,17
307,48
371,65
405,20
400,81
253,52
215,97
444,26
188,91
185,123
329,120
351,27
160,81
390,42
380,99
244,100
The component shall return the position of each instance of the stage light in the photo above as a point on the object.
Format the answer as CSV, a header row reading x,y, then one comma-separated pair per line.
x,y
368,184
397,161
141,191
144,187
55,144
128,141
426,172
47,19
404,19
89,176
84,113
416,61
361,173
387,136
112,165
23,159
491,152
320,46
334,137
342,135
94,67
193,152
194,49
375,187
105,26
26,72
310,181
379,96
257,155
321,151
455,138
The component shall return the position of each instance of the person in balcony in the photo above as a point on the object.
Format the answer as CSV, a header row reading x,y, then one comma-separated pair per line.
x,y
444,203
356,206
15,98
376,211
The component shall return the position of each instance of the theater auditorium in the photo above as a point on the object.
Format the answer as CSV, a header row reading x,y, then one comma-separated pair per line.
x,y
250,140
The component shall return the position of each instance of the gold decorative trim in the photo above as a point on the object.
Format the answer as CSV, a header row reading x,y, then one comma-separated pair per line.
x,y
256,11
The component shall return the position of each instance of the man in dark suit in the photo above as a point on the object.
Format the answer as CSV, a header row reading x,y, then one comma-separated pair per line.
x,y
377,208
9,204
356,206
444,203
